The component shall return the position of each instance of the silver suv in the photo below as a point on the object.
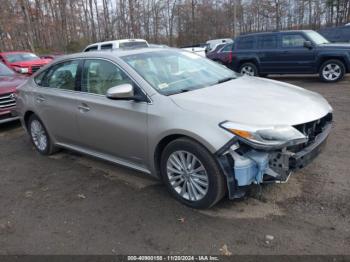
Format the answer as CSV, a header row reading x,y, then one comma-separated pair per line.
x,y
200,127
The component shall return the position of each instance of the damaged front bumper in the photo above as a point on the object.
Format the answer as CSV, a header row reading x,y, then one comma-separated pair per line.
x,y
244,166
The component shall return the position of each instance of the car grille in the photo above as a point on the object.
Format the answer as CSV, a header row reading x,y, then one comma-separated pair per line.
x,y
35,68
7,101
311,130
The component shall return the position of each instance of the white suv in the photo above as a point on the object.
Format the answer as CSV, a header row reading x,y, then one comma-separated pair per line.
x,y
123,43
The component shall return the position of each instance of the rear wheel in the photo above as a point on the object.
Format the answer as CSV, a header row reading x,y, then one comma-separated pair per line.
x,y
191,174
39,136
249,69
332,71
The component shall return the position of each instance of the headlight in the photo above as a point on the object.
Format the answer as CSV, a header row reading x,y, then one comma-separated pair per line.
x,y
266,137
22,70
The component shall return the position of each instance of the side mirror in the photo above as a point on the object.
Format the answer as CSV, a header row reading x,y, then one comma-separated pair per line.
x,y
308,44
121,92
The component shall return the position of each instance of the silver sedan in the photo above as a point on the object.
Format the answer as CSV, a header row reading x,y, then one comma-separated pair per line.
x,y
205,130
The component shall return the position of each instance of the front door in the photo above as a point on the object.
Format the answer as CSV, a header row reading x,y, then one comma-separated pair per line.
x,y
114,128
294,57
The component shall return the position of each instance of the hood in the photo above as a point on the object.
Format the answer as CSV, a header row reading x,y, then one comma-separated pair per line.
x,y
37,62
255,101
9,83
345,46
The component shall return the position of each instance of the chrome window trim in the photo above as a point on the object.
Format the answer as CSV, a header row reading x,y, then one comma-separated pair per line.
x,y
150,101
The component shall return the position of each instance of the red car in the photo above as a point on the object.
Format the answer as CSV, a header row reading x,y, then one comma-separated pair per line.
x,y
9,80
221,54
23,62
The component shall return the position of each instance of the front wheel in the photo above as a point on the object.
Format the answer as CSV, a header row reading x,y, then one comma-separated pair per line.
x,y
191,174
332,71
248,69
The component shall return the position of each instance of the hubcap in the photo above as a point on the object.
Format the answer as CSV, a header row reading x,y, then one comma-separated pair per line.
x,y
38,135
331,72
247,70
187,175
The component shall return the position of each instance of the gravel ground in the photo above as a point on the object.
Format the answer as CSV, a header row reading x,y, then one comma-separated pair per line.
x,y
73,204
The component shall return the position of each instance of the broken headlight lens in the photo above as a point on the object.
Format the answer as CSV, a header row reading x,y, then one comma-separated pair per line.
x,y
266,137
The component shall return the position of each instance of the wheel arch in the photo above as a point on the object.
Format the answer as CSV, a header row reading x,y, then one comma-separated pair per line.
x,y
249,60
26,117
168,139
326,58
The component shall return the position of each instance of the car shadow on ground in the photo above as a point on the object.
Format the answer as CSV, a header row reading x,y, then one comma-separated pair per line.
x,y
6,127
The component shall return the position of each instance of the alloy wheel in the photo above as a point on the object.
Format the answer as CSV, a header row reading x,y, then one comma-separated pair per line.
x,y
247,70
187,175
38,134
331,72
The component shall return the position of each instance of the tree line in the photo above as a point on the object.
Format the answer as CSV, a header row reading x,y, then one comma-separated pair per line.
x,y
69,25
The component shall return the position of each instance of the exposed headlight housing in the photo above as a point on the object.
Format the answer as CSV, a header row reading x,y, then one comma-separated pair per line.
x,y
266,137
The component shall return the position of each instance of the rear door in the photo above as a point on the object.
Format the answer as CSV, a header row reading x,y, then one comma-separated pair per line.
x,y
114,128
294,57
56,100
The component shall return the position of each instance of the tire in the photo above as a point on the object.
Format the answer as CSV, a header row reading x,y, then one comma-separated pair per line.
x,y
40,137
332,71
249,69
184,187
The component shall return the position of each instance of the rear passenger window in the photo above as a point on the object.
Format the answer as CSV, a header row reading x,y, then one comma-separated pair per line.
x,y
227,48
293,40
100,75
62,76
267,42
246,43
106,47
92,48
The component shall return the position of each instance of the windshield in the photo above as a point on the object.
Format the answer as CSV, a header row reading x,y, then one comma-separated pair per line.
x,y
317,38
133,44
19,57
5,71
171,72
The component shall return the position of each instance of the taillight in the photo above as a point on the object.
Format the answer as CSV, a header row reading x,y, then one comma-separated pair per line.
x,y
230,57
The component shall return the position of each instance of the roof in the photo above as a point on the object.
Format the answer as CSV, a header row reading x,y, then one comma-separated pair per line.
x,y
274,32
14,52
113,52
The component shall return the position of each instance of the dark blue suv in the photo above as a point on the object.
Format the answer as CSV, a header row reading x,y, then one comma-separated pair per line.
x,y
290,52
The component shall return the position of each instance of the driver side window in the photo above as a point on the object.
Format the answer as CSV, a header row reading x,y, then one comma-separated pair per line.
x,y
100,75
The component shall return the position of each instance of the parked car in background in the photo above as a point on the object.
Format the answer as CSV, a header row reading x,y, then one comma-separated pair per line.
x,y
204,129
9,80
51,56
336,34
290,52
222,54
211,44
23,62
114,44
198,49
157,46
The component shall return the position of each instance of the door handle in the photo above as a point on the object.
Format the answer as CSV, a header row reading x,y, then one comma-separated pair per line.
x,y
40,99
84,108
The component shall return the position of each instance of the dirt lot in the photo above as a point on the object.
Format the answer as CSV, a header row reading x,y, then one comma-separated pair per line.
x,y
72,204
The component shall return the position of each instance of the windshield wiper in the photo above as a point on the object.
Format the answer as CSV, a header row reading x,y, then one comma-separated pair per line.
x,y
180,91
225,79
